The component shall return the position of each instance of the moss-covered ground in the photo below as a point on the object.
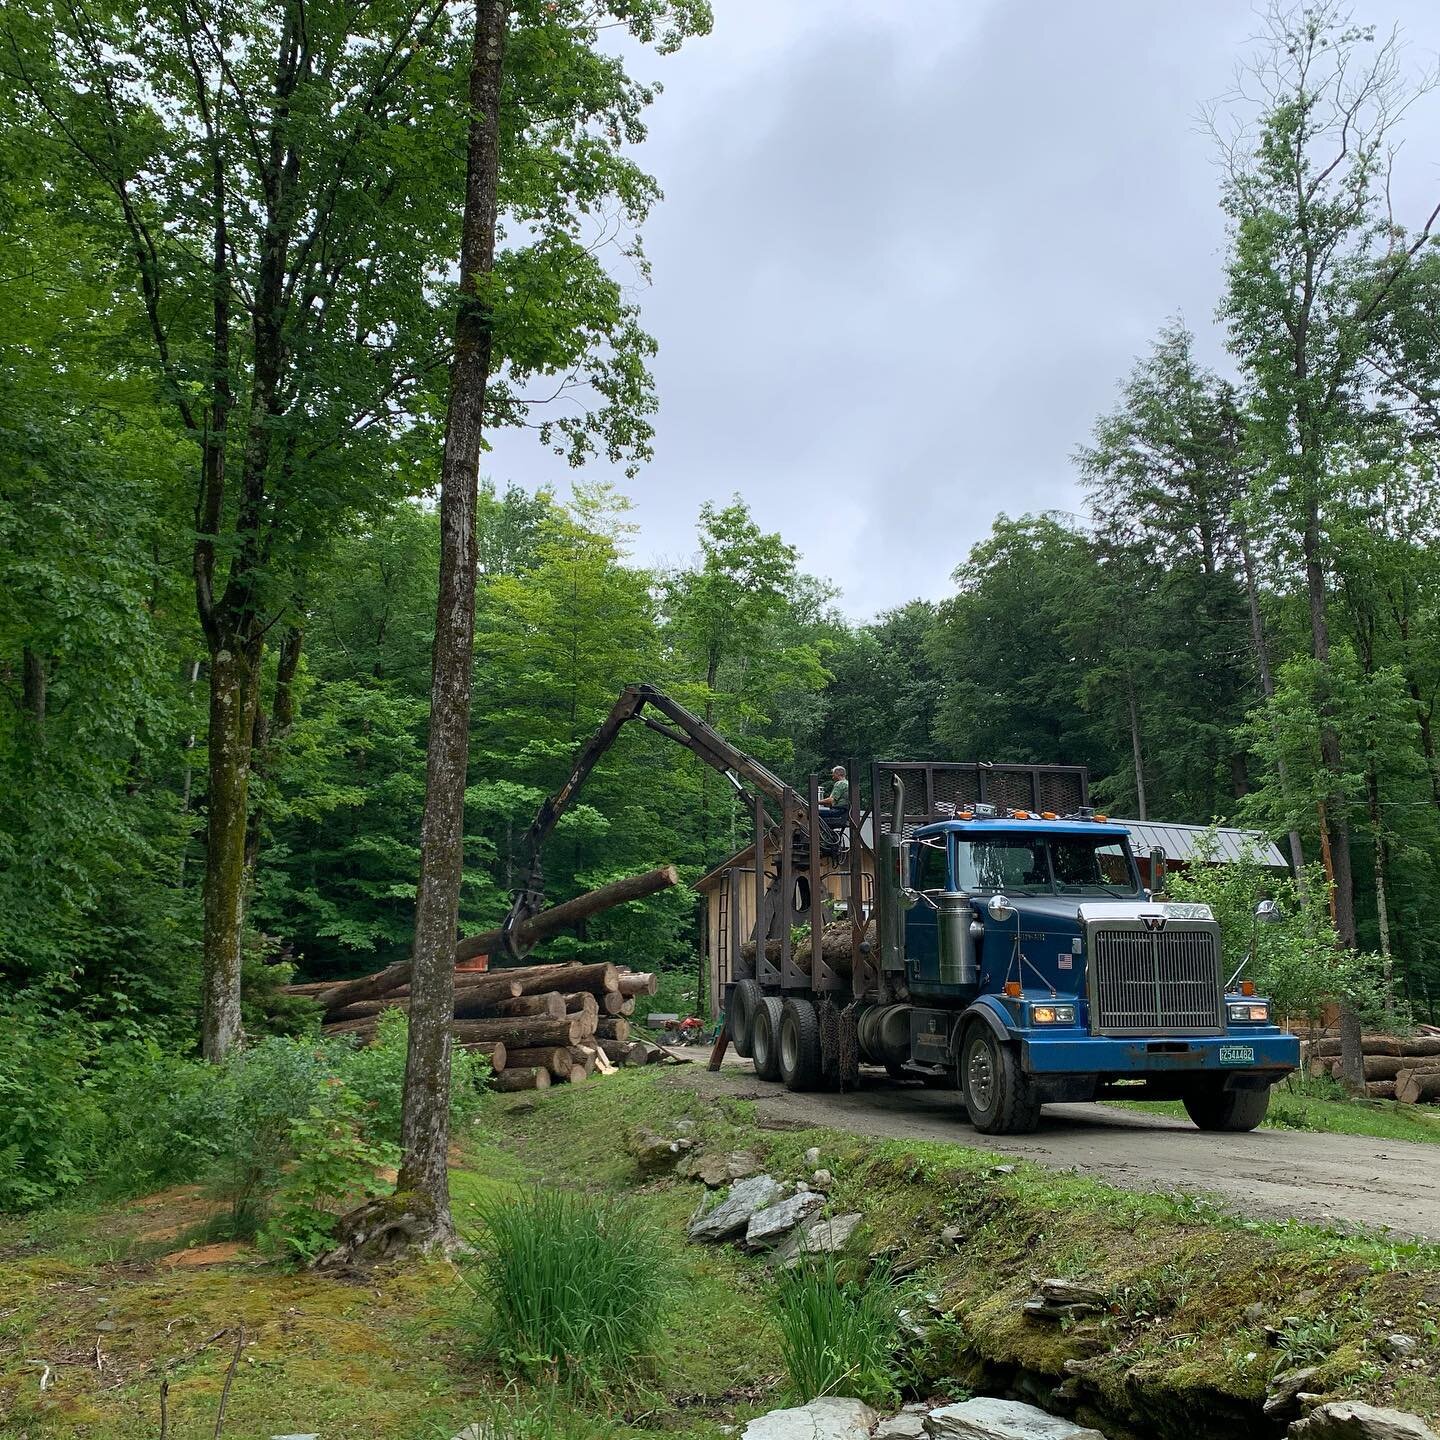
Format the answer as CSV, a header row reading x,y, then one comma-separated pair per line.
x,y
98,1304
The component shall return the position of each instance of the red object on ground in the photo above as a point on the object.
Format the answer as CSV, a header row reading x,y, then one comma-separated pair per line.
x,y
474,963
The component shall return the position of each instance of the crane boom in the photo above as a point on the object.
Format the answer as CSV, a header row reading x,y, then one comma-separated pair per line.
x,y
680,725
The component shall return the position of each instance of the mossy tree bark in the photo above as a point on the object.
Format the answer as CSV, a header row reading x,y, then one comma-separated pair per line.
x,y
426,1124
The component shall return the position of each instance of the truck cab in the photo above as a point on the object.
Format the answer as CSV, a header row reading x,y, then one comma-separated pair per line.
x,y
1037,968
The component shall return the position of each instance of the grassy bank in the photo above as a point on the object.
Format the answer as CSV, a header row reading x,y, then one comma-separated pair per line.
x,y
112,1301
1309,1105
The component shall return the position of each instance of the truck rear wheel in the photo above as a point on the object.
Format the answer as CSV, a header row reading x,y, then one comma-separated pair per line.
x,y
744,1001
799,1045
999,1097
1212,1108
765,1038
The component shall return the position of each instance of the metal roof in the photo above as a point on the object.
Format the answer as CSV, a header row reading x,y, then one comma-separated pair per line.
x,y
1182,842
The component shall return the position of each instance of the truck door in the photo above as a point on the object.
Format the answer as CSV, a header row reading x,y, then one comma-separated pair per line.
x,y
928,871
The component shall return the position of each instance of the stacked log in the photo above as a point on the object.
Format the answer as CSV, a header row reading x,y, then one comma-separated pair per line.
x,y
537,1025
1397,1067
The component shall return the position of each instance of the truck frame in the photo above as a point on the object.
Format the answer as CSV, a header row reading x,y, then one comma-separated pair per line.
x,y
1009,949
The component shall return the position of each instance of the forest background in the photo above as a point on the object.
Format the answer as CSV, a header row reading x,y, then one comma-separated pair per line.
x,y
1242,624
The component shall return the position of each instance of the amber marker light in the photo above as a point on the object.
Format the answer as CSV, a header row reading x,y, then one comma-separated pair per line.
x,y
1012,989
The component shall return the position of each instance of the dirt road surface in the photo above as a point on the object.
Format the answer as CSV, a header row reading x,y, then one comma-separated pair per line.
x,y
1324,1178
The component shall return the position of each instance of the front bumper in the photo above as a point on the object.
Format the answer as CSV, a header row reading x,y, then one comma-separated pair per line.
x,y
1075,1053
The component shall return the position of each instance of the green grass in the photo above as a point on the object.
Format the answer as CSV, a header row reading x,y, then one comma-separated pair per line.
x,y
566,1287
838,1337
1297,1107
1191,1288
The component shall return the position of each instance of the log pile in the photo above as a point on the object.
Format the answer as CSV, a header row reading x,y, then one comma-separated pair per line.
x,y
837,941
537,1025
1397,1067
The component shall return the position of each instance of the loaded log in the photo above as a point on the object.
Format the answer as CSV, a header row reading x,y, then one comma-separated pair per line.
x,y
539,927
837,941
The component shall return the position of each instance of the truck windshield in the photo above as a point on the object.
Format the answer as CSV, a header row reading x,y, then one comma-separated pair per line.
x,y
1045,865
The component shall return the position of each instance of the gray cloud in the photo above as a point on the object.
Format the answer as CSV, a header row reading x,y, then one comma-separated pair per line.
x,y
908,250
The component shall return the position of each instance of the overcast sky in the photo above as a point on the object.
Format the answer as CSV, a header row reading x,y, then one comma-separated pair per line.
x,y
907,250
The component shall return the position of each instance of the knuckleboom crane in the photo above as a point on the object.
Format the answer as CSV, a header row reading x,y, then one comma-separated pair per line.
x,y
684,727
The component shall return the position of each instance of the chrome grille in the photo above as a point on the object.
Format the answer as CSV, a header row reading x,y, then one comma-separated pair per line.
x,y
1148,982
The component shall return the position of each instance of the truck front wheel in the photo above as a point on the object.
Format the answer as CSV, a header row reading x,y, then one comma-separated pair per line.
x,y
1212,1108
799,1045
999,1097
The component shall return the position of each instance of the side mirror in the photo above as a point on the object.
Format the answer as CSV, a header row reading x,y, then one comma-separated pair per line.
x,y
1157,868
999,908
1268,912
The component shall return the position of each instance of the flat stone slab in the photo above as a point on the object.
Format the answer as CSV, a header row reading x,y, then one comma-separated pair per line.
x,y
1354,1420
769,1226
832,1417
819,1237
909,1424
986,1419
732,1214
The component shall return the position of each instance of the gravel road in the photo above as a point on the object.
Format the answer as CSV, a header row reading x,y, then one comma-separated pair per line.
x,y
1326,1178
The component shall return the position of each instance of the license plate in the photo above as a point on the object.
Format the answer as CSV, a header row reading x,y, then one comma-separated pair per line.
x,y
1237,1054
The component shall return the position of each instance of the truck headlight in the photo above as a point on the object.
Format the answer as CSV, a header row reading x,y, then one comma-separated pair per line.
x,y
1248,1012
1052,1014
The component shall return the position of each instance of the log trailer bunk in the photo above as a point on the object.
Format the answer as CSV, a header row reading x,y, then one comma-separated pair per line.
x,y
1010,949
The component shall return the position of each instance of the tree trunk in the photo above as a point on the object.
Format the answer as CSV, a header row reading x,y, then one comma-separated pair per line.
x,y
33,686
268,731
1413,1087
1267,679
542,1057
1135,752
530,1078
1382,910
426,1124
233,686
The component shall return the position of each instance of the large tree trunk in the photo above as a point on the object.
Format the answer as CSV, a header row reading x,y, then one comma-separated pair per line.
x,y
426,1125
233,686
1267,679
1136,754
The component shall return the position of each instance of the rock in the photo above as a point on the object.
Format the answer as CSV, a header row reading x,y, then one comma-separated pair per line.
x,y
909,1424
951,1235
684,1127
1002,1420
1284,1390
732,1214
822,1179
741,1165
1354,1420
1002,1169
1057,1299
829,1418
655,1154
812,1157
709,1170
768,1227
1398,1346
1255,1312
819,1237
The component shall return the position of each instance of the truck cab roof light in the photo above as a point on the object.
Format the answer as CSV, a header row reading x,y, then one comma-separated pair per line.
x,y
1020,814
1048,815
1101,819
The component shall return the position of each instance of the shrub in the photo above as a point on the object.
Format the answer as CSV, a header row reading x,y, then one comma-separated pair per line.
x,y
570,1285
334,1167
838,1337
48,1113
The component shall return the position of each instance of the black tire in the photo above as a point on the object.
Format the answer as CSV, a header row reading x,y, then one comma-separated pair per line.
x,y
1212,1108
744,1000
999,1097
765,1038
799,1045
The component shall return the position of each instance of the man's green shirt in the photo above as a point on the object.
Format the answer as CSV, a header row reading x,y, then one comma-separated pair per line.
x,y
840,794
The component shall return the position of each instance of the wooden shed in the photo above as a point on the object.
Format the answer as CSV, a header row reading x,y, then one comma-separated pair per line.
x,y
733,881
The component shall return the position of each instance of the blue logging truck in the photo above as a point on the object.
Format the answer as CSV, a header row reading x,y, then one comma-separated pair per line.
x,y
1006,947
